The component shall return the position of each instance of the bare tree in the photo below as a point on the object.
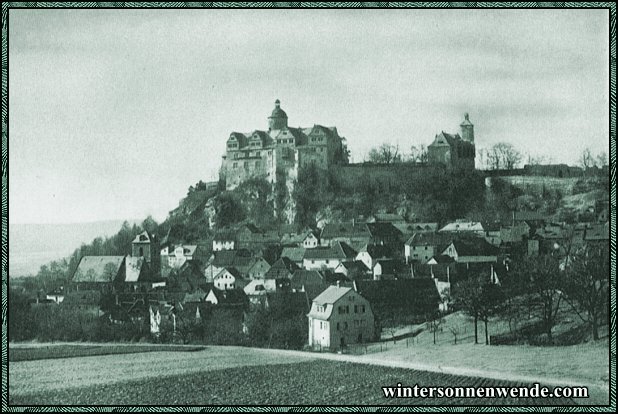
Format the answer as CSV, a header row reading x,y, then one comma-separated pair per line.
x,y
587,281
545,283
503,156
418,154
602,160
586,159
385,154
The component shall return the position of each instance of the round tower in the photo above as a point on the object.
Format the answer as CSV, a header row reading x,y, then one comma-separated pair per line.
x,y
467,129
278,119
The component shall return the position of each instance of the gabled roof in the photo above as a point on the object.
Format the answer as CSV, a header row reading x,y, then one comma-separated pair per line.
x,y
143,237
98,269
383,229
338,250
388,217
134,268
377,251
416,292
475,246
331,295
333,230
307,278
225,235
230,296
408,228
392,266
283,267
355,265
231,270
449,139
462,225
429,239
296,254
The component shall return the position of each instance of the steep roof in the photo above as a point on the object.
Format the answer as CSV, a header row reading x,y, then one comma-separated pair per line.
x,y
333,230
462,225
338,250
134,269
400,292
475,246
429,239
355,265
281,268
408,228
331,295
383,229
98,269
230,296
296,254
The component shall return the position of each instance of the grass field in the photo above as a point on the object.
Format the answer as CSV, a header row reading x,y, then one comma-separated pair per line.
x,y
230,375
312,382
78,350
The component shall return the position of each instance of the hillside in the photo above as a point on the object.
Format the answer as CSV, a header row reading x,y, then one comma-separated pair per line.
x,y
33,245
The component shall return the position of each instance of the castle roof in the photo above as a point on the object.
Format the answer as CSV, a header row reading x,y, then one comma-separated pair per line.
x,y
466,121
278,112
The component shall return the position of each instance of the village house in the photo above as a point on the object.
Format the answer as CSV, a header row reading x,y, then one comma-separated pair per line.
x,y
186,278
179,254
295,254
283,268
401,301
241,259
253,239
258,269
101,273
514,233
352,233
369,254
409,229
224,240
340,316
257,289
310,281
463,226
227,297
534,219
228,278
328,257
355,268
394,219
493,233
421,247
472,250
389,269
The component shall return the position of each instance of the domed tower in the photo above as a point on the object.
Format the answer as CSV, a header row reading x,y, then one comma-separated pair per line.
x,y
278,119
467,129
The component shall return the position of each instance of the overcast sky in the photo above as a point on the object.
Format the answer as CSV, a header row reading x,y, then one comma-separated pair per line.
x,y
114,113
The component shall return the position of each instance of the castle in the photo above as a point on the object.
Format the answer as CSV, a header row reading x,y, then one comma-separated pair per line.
x,y
454,151
278,153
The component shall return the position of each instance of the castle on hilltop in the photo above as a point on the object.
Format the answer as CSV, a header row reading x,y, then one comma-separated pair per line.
x,y
454,151
278,153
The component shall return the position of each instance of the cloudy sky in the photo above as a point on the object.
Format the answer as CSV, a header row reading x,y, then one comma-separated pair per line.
x,y
114,113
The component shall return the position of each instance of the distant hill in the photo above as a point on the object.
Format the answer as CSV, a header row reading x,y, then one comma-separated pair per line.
x,y
33,245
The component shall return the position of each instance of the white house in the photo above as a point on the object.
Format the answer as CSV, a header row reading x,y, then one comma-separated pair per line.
x,y
370,254
226,279
310,241
340,316
473,250
463,226
224,240
328,257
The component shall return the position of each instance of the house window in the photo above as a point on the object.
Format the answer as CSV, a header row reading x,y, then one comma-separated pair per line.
x,y
257,163
246,164
347,309
363,308
340,309
235,165
257,154
355,309
337,325
326,261
345,326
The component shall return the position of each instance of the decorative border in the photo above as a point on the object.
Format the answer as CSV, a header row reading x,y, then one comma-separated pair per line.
x,y
612,127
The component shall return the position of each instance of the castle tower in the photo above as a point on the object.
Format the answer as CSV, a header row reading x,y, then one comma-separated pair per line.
x,y
278,119
467,129
146,245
